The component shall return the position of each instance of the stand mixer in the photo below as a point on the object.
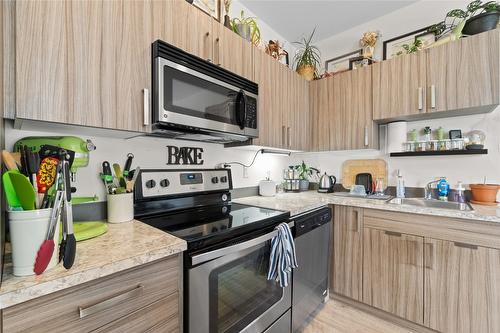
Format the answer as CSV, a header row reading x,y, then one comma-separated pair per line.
x,y
81,147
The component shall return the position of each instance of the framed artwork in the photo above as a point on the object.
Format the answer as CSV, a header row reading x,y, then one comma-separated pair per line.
x,y
358,62
211,7
394,45
341,63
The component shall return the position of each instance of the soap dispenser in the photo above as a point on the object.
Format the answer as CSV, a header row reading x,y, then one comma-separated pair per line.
x,y
400,185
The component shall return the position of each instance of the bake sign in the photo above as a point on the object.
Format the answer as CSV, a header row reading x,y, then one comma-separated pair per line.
x,y
184,155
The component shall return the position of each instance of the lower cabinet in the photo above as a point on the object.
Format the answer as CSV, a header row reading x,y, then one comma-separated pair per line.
x,y
462,287
393,273
145,298
347,262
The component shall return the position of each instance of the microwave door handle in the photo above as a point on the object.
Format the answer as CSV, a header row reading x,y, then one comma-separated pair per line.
x,y
204,257
241,109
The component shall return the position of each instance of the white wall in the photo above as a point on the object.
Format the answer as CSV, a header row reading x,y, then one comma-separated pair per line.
x,y
418,170
151,152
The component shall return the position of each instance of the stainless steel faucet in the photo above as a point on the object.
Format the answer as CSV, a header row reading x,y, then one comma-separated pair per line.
x,y
428,189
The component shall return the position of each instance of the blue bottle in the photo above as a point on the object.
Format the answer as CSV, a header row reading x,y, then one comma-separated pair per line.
x,y
443,188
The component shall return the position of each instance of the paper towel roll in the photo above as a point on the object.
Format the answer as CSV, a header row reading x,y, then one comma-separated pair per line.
x,y
396,136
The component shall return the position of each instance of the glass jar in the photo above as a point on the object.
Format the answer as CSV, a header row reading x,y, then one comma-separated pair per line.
x,y
474,139
410,146
457,144
421,146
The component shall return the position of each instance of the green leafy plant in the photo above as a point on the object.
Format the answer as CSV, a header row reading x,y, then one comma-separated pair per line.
x,y
411,48
456,16
307,54
247,28
305,171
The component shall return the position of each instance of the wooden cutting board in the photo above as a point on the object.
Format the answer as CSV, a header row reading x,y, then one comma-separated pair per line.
x,y
350,168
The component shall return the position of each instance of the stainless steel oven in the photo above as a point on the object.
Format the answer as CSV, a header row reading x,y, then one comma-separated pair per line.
x,y
229,290
195,99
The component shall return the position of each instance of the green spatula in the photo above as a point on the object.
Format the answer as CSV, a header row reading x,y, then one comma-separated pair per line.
x,y
23,189
10,192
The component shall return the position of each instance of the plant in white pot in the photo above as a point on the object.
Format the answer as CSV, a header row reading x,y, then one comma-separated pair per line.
x,y
247,28
307,59
305,172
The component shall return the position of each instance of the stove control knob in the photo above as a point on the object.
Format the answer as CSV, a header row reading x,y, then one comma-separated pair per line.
x,y
215,180
223,179
224,197
150,183
164,183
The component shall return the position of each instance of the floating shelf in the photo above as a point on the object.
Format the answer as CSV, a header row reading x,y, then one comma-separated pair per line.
x,y
440,153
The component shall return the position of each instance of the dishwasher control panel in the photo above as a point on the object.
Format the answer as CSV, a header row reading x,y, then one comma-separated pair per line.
x,y
313,220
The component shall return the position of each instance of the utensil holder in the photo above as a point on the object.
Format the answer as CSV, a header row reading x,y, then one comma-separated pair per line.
x,y
28,229
120,207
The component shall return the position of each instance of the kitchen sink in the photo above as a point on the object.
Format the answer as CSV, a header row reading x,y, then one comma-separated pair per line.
x,y
421,202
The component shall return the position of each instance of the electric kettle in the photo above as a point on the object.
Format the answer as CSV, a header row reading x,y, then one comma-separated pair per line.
x,y
326,183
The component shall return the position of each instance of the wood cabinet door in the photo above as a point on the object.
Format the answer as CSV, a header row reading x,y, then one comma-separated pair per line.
x,y
298,120
320,100
346,274
399,86
192,29
462,287
232,52
393,273
268,77
464,74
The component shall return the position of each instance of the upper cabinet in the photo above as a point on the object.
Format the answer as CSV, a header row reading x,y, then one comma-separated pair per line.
x,y
464,74
457,78
399,86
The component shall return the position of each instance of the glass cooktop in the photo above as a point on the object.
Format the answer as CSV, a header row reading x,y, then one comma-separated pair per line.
x,y
208,225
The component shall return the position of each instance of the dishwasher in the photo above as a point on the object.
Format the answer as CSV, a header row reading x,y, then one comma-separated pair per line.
x,y
310,279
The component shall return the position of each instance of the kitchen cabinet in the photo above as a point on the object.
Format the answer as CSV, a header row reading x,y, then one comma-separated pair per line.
x,y
232,52
347,264
141,299
297,112
320,100
462,282
399,86
464,74
393,273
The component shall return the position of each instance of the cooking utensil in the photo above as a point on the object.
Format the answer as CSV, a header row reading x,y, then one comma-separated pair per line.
x,y
9,161
131,183
326,183
24,161
46,250
68,245
32,166
23,189
128,164
10,192
119,175
107,177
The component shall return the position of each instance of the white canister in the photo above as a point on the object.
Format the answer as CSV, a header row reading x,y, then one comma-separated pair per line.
x,y
396,136
120,207
28,229
267,188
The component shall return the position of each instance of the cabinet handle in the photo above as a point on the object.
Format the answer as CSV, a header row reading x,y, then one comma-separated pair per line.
x,y
366,136
392,233
433,96
145,107
283,135
288,137
356,220
110,302
420,99
429,255
217,46
466,246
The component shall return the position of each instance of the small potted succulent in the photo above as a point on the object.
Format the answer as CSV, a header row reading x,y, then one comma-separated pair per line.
x,y
247,28
305,172
307,59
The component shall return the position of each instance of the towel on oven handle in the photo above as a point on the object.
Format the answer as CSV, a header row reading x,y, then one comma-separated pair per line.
x,y
282,258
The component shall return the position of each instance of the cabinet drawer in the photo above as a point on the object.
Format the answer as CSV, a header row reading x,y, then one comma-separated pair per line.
x,y
92,305
162,312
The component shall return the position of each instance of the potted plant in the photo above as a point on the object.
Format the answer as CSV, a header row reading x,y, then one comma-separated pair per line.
x,y
486,19
227,20
247,28
304,172
307,59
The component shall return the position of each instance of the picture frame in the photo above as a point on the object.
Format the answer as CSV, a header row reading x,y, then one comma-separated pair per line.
x,y
341,63
212,8
392,46
358,62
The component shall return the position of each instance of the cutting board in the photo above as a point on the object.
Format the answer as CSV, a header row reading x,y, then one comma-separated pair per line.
x,y
350,168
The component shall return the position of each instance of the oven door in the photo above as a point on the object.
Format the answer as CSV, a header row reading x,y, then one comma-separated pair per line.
x,y
231,293
196,100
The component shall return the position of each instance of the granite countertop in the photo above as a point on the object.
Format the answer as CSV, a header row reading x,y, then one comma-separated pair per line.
x,y
298,203
124,246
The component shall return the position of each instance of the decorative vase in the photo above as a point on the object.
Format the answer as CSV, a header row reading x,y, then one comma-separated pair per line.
x,y
306,71
227,21
244,31
304,185
368,51
481,23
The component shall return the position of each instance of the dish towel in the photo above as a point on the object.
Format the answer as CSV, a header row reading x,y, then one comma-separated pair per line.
x,y
282,258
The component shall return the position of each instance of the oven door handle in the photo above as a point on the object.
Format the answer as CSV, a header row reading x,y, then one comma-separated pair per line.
x,y
204,257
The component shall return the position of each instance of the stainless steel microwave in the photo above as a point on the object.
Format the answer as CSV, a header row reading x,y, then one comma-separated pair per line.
x,y
194,99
